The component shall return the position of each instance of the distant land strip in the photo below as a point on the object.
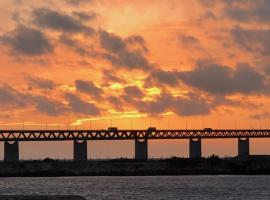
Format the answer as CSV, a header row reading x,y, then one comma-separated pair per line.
x,y
251,165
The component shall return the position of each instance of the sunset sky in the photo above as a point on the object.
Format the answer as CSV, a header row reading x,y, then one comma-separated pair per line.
x,y
133,64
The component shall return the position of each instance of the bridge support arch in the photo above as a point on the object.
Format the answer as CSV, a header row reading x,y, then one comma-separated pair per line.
x,y
141,149
11,151
195,148
80,151
243,147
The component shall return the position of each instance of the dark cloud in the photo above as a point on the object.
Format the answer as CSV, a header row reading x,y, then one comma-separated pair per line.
x,y
19,2
243,11
135,39
55,20
266,68
75,45
223,80
132,93
252,40
27,41
109,77
89,88
112,42
160,77
136,42
77,2
190,105
208,3
85,16
119,54
220,100
159,105
40,83
48,106
77,105
11,97
189,40
115,102
193,105
128,53
209,15
249,10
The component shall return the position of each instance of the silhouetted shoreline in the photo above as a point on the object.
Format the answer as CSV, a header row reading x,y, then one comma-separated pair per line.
x,y
252,165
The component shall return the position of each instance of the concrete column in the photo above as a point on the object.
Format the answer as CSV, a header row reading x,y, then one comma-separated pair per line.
x,y
195,148
243,147
80,151
141,149
11,151
141,146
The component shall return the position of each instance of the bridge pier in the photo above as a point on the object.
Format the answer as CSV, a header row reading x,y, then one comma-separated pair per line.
x,y
80,151
141,145
195,148
141,149
11,151
243,147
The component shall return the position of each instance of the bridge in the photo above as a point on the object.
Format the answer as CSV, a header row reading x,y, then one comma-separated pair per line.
x,y
11,139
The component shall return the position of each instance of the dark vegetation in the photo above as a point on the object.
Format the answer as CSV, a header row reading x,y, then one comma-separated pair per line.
x,y
252,165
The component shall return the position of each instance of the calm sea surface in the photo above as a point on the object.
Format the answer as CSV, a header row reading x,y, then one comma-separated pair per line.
x,y
158,187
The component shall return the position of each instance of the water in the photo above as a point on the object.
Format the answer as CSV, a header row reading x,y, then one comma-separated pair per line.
x,y
156,187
